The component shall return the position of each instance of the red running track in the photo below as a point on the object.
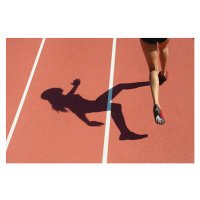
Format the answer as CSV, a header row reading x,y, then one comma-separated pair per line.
x,y
42,135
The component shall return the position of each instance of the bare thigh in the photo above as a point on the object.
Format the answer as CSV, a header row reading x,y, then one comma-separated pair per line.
x,y
163,44
151,54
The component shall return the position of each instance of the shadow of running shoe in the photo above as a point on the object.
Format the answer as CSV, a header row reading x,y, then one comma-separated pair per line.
x,y
132,136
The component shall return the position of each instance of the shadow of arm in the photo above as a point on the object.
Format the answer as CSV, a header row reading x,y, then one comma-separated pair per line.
x,y
83,117
75,83
72,91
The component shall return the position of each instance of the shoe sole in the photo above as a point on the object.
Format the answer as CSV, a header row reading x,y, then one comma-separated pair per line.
x,y
158,118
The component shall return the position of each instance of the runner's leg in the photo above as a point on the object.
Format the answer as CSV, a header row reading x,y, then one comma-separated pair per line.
x,y
151,55
164,55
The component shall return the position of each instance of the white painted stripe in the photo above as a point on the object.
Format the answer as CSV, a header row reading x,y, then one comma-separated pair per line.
x,y
108,114
24,95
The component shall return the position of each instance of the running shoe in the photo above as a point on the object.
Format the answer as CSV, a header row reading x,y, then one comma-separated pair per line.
x,y
162,78
158,115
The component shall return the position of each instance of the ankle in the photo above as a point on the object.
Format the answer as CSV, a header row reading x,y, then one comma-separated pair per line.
x,y
163,73
157,104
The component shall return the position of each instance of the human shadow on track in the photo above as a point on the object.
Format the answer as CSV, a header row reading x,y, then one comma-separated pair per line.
x,y
80,106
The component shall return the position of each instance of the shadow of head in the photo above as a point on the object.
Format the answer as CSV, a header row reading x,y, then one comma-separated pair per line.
x,y
55,98
51,93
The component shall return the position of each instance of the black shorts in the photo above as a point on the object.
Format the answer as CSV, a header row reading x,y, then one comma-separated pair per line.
x,y
153,40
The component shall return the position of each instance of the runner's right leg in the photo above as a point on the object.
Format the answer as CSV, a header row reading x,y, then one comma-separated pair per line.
x,y
164,55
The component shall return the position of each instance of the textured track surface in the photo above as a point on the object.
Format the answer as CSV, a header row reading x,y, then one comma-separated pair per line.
x,y
44,136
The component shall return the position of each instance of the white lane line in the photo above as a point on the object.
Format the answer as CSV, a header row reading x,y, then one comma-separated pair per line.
x,y
108,114
24,95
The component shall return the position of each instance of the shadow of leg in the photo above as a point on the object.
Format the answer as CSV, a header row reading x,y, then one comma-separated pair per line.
x,y
117,89
126,134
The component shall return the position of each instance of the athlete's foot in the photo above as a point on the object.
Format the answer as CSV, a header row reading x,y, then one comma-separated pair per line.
x,y
162,78
131,136
158,115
